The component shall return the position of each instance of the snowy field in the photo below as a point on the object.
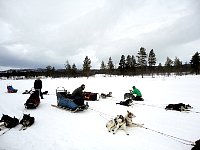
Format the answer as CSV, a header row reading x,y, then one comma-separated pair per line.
x,y
62,130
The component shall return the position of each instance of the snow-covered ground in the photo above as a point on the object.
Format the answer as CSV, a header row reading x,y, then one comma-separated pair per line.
x,y
61,130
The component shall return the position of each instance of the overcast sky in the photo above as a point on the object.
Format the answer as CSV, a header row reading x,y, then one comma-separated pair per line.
x,y
38,33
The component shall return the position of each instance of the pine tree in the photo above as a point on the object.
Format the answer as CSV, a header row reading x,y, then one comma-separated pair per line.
x,y
74,70
128,63
122,65
168,65
68,69
195,62
110,65
133,64
103,66
151,61
177,65
142,55
86,66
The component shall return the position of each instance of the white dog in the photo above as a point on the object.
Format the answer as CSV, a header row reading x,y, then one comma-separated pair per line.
x,y
111,125
115,124
120,124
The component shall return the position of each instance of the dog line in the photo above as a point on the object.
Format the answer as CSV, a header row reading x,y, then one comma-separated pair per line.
x,y
183,141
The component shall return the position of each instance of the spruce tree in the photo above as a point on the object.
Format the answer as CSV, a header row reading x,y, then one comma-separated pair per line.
x,y
168,65
74,70
122,65
151,61
103,66
133,64
195,62
177,66
142,63
110,65
86,66
68,69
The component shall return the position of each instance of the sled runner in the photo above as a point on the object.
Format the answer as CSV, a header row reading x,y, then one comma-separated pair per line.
x,y
33,101
66,101
67,109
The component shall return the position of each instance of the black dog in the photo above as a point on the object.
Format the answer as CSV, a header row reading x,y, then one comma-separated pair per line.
x,y
9,122
127,102
197,145
27,120
45,92
178,107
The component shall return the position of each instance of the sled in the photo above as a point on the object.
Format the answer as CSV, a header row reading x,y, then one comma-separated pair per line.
x,y
33,101
66,101
10,89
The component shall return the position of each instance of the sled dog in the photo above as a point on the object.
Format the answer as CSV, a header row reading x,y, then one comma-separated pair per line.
x,y
129,122
27,120
178,107
120,124
111,125
106,95
129,96
9,122
117,123
129,116
127,102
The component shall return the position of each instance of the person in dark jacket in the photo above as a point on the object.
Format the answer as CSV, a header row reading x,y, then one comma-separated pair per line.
x,y
77,94
38,86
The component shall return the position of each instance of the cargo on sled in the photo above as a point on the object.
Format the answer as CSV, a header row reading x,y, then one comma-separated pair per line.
x,y
89,96
10,89
66,101
33,101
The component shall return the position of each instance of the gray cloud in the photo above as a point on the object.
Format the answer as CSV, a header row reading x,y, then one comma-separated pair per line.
x,y
48,32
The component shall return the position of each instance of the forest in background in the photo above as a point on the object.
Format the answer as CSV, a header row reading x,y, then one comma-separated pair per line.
x,y
142,64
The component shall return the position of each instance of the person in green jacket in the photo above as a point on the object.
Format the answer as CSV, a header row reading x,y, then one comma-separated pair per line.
x,y
137,93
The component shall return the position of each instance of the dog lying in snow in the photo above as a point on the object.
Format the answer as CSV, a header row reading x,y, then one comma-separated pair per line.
x,y
121,122
178,107
129,116
117,123
129,122
127,102
27,120
106,95
129,96
9,122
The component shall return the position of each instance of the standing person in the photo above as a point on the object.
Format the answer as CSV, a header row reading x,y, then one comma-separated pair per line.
x,y
138,94
78,95
38,86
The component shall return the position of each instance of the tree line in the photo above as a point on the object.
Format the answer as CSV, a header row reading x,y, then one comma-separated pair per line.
x,y
142,64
